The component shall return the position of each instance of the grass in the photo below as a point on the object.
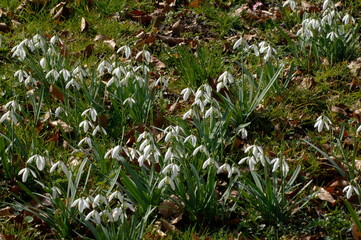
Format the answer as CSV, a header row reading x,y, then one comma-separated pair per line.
x,y
163,148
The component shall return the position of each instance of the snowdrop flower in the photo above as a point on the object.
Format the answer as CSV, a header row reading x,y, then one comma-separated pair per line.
x,y
347,18
349,190
201,148
86,124
280,162
82,204
21,75
65,73
325,4
251,162
241,42
55,39
29,81
192,139
188,114
116,213
211,111
99,199
114,153
209,162
225,79
225,168
114,195
73,83
40,161
38,42
90,112
57,111
79,72
167,180
86,140
127,51
53,73
291,3
94,214
55,192
186,93
99,129
129,101
322,121
104,66
172,167
25,172
358,129
43,63
332,36
62,166
146,55
168,155
19,51
243,133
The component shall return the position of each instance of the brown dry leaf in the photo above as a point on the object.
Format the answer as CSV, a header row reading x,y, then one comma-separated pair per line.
x,y
240,10
55,93
57,7
307,83
99,37
339,182
6,211
171,40
83,25
4,27
58,123
194,4
324,195
111,43
7,237
249,37
168,226
310,8
342,109
158,63
355,232
168,209
355,67
177,28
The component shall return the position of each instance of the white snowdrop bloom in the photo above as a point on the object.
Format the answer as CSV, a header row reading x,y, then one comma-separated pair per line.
x,y
280,162
79,72
19,51
256,150
145,54
21,75
357,130
251,160
192,139
40,161
349,191
240,42
99,199
13,104
86,140
73,83
90,112
52,73
5,116
187,114
167,180
99,129
117,213
129,101
226,78
62,166
38,42
117,72
55,192
325,4
43,63
225,168
201,148
25,172
86,124
219,86
115,152
291,3
127,51
145,143
94,215
347,19
114,195
322,121
168,155
65,73
82,204
315,24
186,93
173,168
57,111
104,66
332,36
29,81
243,133
210,162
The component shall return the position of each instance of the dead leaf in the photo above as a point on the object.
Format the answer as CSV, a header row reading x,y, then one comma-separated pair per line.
x,y
177,28
168,226
324,195
355,67
57,7
55,93
83,25
6,211
171,40
7,237
355,232
194,4
4,28
158,63
99,37
111,43
59,123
